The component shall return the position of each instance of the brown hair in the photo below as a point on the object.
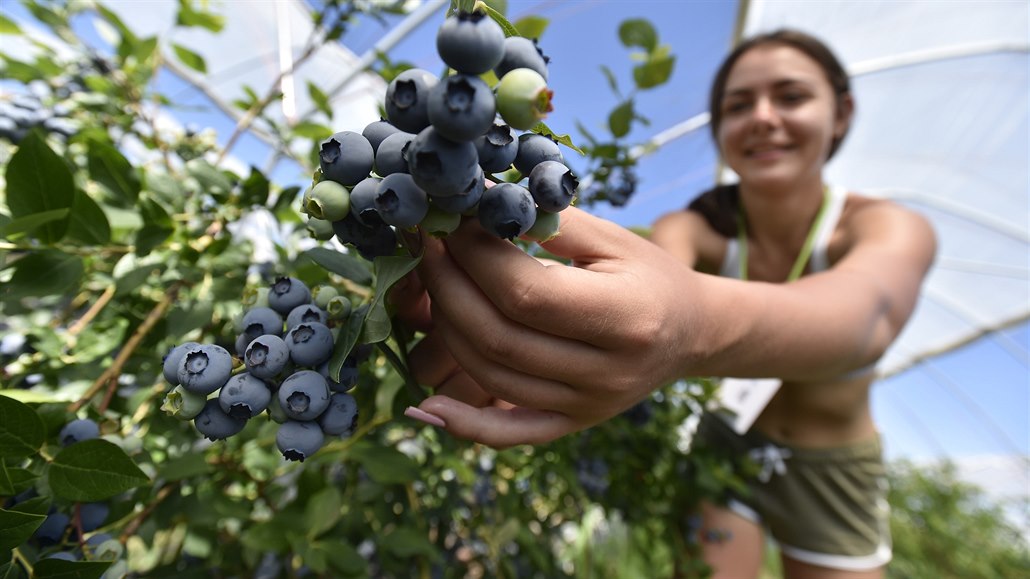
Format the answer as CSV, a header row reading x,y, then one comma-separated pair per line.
x,y
719,205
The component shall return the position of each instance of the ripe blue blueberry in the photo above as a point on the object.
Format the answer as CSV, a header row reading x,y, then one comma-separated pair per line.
x,y
288,293
93,515
346,158
552,185
376,131
299,440
304,395
535,149
507,210
52,529
261,321
244,396
348,375
406,99
362,203
466,202
215,424
470,42
170,364
205,369
370,241
497,148
341,417
63,556
391,156
305,313
310,344
399,201
520,52
78,430
462,107
439,166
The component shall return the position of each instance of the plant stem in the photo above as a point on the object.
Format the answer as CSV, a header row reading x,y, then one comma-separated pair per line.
x,y
135,523
86,318
21,560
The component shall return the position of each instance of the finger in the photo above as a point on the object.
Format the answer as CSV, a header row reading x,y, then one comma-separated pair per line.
x,y
497,427
462,387
496,337
431,362
410,302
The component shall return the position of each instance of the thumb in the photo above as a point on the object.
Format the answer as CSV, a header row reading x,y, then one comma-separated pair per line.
x,y
493,426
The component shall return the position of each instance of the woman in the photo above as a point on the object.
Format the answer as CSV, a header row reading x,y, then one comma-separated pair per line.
x,y
523,352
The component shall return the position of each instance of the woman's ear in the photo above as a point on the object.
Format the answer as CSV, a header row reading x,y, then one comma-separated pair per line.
x,y
845,112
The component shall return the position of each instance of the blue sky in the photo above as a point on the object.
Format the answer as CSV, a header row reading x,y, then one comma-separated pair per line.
x,y
971,401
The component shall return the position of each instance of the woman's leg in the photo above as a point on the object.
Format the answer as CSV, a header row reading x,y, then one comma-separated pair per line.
x,y
733,546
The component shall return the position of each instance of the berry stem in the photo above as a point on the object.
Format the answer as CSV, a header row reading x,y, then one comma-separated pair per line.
x,y
20,559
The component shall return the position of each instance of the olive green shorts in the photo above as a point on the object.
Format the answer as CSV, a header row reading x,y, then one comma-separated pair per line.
x,y
825,506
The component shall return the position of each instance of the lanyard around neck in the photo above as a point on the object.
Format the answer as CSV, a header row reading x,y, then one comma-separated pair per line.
x,y
806,249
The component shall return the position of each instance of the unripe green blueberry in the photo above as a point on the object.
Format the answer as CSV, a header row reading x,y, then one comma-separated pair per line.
x,y
320,229
328,200
545,228
338,308
255,298
439,223
523,98
183,404
321,295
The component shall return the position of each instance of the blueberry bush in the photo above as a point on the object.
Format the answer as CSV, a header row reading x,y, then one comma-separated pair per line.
x,y
171,408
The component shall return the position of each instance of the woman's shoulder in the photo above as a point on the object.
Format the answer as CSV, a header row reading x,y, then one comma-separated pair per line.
x,y
877,220
689,235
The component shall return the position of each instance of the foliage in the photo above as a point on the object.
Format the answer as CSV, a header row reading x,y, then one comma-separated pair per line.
x,y
117,243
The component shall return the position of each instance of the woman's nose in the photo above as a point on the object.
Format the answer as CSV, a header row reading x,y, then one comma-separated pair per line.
x,y
764,112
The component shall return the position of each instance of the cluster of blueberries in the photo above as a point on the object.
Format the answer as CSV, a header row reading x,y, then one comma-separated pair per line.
x,y
426,164
24,112
60,528
285,344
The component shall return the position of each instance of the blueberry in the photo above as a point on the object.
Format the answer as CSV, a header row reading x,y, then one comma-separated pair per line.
x,y
77,431
348,375
441,167
203,370
546,226
244,396
341,417
170,364
52,529
507,210
299,440
319,229
461,107
345,158
261,321
338,308
523,98
321,295
406,99
107,550
467,201
304,395
390,158
328,200
215,424
242,341
552,185
275,409
183,404
370,241
63,556
520,52
98,539
497,148
288,293
440,223
400,202
535,149
256,297
304,313
376,131
93,515
470,42
310,344
362,201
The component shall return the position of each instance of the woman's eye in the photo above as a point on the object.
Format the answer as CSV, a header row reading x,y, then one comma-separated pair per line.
x,y
735,107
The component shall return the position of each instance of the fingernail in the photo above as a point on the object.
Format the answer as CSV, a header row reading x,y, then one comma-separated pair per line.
x,y
423,416
412,241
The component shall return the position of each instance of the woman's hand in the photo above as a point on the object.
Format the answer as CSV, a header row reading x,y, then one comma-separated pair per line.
x,y
524,352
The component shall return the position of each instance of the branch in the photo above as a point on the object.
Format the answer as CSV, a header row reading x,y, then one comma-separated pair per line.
x,y
92,312
134,524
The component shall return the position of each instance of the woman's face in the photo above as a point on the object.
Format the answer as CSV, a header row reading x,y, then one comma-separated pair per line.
x,y
779,117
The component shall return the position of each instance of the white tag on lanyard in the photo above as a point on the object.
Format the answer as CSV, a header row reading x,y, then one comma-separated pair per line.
x,y
739,401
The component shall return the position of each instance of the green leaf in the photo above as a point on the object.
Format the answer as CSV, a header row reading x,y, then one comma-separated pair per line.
x,y
93,470
387,271
620,118
385,394
15,480
284,203
386,465
185,466
344,558
190,58
507,27
268,536
532,26
61,569
320,99
613,83
16,528
638,32
43,273
111,169
566,140
310,130
30,222
255,188
11,570
342,264
187,16
407,542
655,71
145,49
211,180
157,226
323,511
8,26
89,224
38,180
21,429
346,339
